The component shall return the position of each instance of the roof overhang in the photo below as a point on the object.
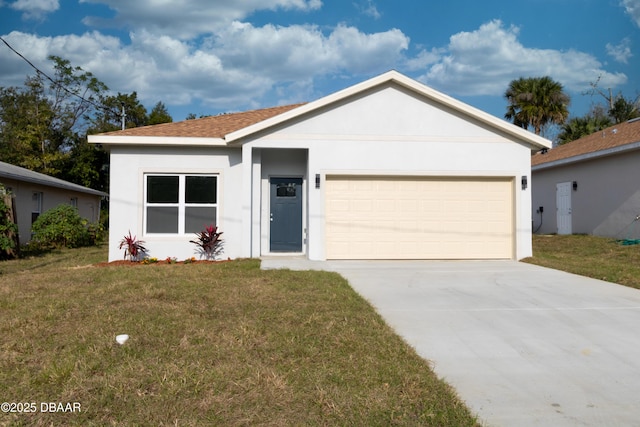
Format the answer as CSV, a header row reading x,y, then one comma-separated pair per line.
x,y
48,181
587,156
158,141
534,141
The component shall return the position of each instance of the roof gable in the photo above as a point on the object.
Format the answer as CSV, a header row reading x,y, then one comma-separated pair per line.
x,y
387,112
534,141
233,129
616,138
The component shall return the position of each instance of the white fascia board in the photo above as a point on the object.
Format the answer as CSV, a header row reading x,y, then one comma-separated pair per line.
x,y
536,142
587,156
156,140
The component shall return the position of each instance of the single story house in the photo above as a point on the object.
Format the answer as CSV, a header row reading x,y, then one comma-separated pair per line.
x,y
386,169
590,185
35,193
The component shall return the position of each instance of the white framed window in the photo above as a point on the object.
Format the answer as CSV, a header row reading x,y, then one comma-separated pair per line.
x,y
180,203
73,201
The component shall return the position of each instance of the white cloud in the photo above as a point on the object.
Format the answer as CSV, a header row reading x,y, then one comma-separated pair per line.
x,y
240,65
620,52
233,69
369,8
484,61
633,9
35,9
188,18
77,49
298,54
424,59
359,53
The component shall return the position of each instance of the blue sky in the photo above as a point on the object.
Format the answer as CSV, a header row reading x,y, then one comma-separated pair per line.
x,y
213,56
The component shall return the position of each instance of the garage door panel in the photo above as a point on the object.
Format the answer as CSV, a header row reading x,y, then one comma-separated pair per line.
x,y
418,218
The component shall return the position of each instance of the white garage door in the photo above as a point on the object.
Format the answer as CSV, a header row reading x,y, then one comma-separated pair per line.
x,y
418,218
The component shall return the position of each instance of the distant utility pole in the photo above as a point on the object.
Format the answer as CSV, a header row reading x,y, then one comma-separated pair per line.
x,y
123,115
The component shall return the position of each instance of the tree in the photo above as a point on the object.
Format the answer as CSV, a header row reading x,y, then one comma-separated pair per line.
x,y
25,126
75,94
159,114
619,108
87,165
40,122
579,127
192,116
535,102
624,109
109,117
43,124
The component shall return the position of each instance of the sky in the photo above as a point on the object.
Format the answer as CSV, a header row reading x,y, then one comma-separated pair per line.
x,y
208,57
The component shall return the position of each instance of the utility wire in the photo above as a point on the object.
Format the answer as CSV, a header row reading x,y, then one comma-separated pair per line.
x,y
60,85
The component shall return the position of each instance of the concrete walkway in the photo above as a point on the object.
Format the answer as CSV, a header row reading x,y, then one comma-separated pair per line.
x,y
522,345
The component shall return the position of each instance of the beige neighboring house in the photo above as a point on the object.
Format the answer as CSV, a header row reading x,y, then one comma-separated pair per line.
x,y
36,193
590,185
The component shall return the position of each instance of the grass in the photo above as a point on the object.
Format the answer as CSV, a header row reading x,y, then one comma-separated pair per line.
x,y
211,344
597,257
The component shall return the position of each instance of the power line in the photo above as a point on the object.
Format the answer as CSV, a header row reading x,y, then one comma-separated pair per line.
x,y
57,84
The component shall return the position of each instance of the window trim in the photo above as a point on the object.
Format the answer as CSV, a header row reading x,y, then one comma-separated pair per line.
x,y
181,205
37,208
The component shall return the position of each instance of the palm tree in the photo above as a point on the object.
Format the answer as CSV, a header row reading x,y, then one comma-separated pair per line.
x,y
578,127
536,101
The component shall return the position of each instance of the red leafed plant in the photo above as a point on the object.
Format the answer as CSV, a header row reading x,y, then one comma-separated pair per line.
x,y
133,247
209,242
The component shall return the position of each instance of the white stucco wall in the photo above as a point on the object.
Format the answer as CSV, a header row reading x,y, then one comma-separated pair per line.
x,y
390,132
128,166
386,131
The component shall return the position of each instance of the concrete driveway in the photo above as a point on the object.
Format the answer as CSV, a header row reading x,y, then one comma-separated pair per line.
x,y
522,345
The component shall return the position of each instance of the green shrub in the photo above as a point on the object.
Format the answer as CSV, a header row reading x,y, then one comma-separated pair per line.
x,y
62,226
8,229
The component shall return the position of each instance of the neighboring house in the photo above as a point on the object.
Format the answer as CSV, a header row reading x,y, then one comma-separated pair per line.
x,y
36,193
385,169
590,185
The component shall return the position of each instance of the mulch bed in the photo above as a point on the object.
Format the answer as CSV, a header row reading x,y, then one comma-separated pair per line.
x,y
124,262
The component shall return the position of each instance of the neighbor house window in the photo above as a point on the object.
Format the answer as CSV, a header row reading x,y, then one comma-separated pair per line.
x,y
74,202
36,205
180,204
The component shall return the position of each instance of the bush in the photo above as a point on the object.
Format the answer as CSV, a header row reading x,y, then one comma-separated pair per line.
x,y
62,226
209,242
8,229
133,247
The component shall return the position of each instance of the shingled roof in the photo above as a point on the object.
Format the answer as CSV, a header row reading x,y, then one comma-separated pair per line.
x,y
619,136
206,127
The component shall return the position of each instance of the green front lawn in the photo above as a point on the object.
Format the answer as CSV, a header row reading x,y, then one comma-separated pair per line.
x,y
210,344
590,256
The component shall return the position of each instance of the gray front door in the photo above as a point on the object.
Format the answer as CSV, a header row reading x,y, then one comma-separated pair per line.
x,y
286,215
